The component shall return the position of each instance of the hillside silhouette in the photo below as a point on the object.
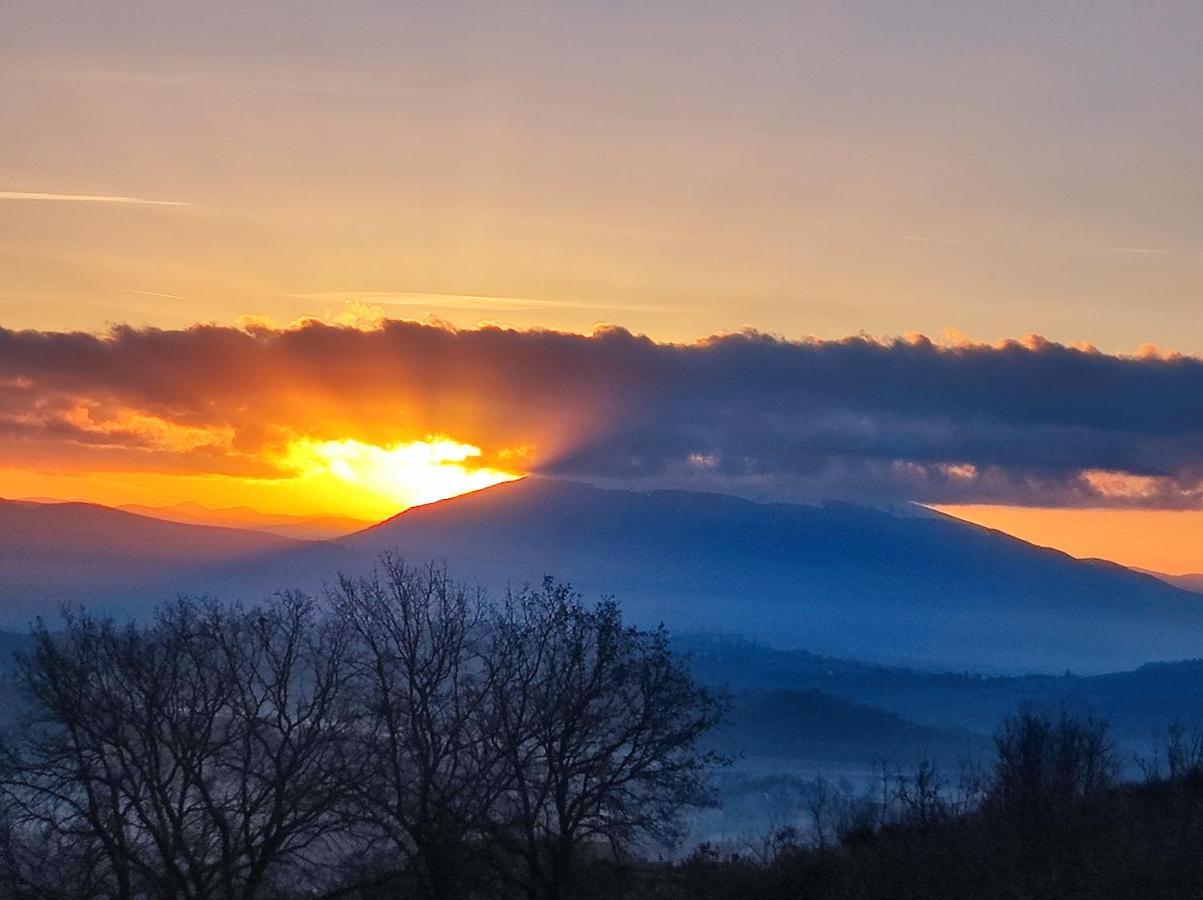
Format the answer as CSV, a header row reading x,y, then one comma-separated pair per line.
x,y
839,579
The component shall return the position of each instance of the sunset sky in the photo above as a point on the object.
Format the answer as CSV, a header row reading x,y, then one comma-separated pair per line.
x,y
345,257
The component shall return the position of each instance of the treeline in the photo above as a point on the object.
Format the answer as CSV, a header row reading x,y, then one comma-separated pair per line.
x,y
1049,817
405,737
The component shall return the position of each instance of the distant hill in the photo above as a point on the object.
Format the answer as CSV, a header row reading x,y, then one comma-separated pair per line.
x,y
1139,704
1189,582
843,580
55,554
817,727
305,528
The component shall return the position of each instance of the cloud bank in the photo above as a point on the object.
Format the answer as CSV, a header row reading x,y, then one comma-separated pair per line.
x,y
1026,422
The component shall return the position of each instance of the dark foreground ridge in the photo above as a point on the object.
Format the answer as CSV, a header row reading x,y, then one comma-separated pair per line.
x,y
1048,819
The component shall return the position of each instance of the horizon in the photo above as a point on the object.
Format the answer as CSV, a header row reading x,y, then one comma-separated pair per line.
x,y
1028,525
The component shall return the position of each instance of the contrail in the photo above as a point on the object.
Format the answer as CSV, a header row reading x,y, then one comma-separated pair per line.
x,y
87,198
158,294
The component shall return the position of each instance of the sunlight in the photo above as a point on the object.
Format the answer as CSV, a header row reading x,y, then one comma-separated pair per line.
x,y
401,475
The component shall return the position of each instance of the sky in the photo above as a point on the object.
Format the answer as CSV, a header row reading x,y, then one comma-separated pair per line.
x,y
755,208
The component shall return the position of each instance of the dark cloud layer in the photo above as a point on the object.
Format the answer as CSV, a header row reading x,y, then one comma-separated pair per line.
x,y
1023,422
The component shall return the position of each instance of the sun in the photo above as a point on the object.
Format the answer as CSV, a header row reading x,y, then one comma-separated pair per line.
x,y
384,480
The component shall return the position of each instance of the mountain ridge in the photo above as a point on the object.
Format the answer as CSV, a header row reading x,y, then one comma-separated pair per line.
x,y
118,562
836,579
839,579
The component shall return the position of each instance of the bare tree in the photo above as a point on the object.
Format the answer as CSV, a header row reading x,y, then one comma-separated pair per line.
x,y
189,759
819,798
1044,764
599,726
428,777
1183,752
221,750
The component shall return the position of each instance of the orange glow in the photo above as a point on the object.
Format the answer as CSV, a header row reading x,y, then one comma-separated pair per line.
x,y
1168,541
398,476
345,477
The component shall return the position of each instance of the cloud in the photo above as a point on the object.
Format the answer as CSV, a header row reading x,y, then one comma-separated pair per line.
x,y
1029,421
87,198
482,302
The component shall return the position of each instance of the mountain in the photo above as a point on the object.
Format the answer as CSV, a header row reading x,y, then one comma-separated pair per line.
x,y
305,528
838,579
926,590
1190,582
112,561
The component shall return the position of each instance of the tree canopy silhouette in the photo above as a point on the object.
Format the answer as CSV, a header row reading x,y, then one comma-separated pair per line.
x,y
404,731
